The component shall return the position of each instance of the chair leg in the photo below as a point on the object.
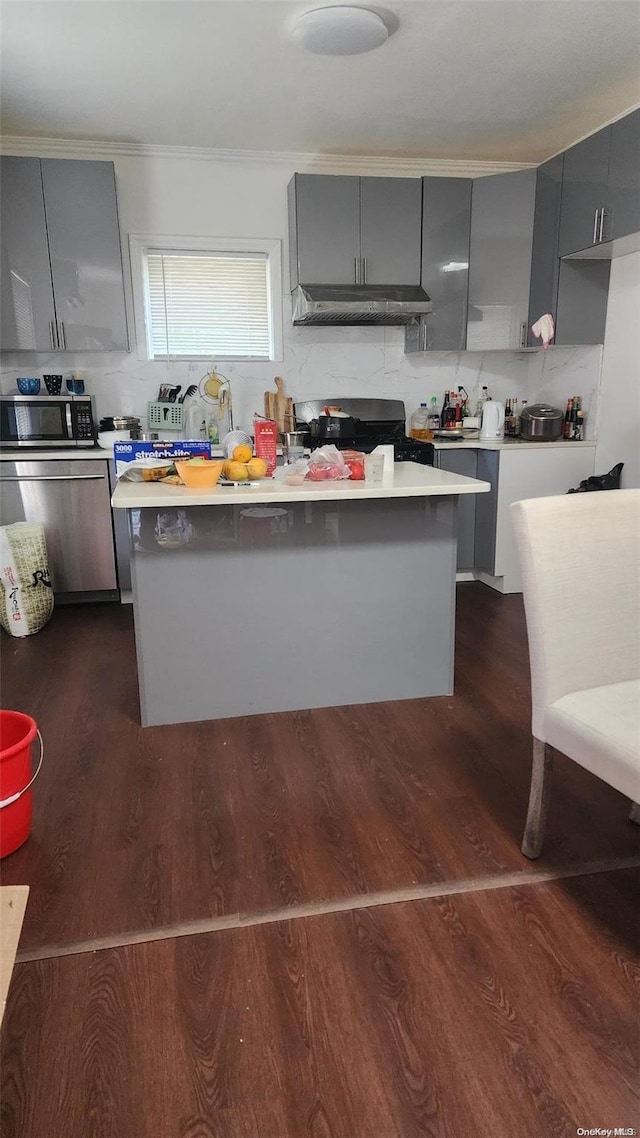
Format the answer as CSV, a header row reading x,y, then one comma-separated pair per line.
x,y
538,799
634,813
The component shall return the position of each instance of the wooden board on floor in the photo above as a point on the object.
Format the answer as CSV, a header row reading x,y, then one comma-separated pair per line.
x,y
13,902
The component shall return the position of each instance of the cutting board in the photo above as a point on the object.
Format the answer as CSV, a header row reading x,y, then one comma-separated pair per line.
x,y
13,901
279,406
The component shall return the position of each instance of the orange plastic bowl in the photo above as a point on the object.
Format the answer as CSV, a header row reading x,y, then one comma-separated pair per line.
x,y
199,475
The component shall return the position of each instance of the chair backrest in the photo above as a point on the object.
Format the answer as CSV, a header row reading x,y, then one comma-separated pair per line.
x,y
580,560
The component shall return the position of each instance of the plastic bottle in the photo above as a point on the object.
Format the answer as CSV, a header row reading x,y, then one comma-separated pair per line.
x,y
420,428
484,396
434,414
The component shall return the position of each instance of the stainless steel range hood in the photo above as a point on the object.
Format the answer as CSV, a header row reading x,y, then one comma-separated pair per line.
x,y
358,304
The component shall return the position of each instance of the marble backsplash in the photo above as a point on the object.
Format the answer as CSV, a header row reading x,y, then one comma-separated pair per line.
x,y
326,362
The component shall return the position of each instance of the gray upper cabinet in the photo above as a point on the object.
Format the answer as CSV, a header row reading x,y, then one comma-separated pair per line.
x,y
543,292
601,187
84,247
624,178
502,210
390,222
446,231
27,310
348,230
324,229
62,283
584,193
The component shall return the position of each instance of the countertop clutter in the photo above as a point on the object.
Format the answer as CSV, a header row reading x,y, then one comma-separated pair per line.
x,y
404,480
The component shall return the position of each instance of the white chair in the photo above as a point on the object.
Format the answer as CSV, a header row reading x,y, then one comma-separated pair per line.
x,y
580,560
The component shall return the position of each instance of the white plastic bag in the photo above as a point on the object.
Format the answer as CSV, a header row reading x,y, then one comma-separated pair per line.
x,y
327,465
26,596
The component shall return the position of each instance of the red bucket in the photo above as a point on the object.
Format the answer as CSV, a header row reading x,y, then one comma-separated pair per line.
x,y
17,732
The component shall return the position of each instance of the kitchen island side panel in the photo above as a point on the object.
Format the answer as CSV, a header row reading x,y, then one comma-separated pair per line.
x,y
327,603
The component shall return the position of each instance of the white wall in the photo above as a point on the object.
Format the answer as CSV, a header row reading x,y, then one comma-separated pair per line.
x,y
619,418
192,196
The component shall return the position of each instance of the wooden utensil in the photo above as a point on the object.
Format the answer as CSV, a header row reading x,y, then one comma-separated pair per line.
x,y
279,406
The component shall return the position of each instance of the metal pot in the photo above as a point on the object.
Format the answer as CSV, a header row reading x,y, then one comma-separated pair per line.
x,y
295,438
541,423
330,428
119,423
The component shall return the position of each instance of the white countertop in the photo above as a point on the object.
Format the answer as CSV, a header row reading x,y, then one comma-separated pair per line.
x,y
505,444
406,480
26,454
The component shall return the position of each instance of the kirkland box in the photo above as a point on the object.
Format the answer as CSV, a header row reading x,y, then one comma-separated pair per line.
x,y
149,453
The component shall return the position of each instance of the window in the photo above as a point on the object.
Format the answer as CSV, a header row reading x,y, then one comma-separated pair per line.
x,y
201,298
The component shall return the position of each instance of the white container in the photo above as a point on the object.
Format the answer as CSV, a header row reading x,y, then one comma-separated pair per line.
x,y
492,424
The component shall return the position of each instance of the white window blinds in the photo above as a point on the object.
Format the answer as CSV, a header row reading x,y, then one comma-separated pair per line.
x,y
208,304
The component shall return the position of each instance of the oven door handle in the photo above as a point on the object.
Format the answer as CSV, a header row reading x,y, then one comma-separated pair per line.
x,y
53,478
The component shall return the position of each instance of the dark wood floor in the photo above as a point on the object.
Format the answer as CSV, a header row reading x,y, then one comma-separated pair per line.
x,y
504,1011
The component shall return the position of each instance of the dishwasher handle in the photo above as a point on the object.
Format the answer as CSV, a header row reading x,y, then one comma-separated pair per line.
x,y
53,478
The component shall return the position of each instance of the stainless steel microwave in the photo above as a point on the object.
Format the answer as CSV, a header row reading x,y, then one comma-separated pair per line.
x,y
46,421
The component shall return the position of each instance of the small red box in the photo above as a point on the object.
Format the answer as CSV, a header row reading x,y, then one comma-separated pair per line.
x,y
266,442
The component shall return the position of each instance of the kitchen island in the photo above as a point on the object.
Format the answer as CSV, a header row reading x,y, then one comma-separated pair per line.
x,y
252,599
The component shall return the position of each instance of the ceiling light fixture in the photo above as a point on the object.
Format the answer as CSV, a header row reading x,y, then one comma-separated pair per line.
x,y
340,31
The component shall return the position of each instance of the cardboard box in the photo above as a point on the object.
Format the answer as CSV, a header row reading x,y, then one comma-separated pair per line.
x,y
150,452
266,442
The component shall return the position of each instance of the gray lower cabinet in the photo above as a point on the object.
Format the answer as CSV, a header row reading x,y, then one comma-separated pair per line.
x,y
71,499
502,210
349,230
62,281
487,512
624,178
463,462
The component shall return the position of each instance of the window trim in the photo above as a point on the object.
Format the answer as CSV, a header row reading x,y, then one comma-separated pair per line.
x,y
272,247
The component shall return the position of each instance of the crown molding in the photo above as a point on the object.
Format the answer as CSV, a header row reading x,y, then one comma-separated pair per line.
x,y
292,160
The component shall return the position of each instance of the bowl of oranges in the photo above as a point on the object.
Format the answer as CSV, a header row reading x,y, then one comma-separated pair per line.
x,y
242,466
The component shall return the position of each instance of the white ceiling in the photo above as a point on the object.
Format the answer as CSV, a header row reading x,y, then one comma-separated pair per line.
x,y
511,80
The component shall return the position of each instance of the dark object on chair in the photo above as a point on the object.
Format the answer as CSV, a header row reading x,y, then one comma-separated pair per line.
x,y
610,481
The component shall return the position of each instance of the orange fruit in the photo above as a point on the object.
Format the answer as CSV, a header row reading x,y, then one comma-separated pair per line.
x,y
237,471
257,468
242,453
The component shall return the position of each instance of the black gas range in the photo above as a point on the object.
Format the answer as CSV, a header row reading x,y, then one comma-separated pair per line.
x,y
376,422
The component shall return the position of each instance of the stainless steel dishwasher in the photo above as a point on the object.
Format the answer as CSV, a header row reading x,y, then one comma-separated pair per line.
x,y
71,499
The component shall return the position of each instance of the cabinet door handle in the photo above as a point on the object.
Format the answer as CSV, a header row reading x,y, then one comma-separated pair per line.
x,y
601,229
364,270
595,227
61,336
356,265
53,478
52,335
523,334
